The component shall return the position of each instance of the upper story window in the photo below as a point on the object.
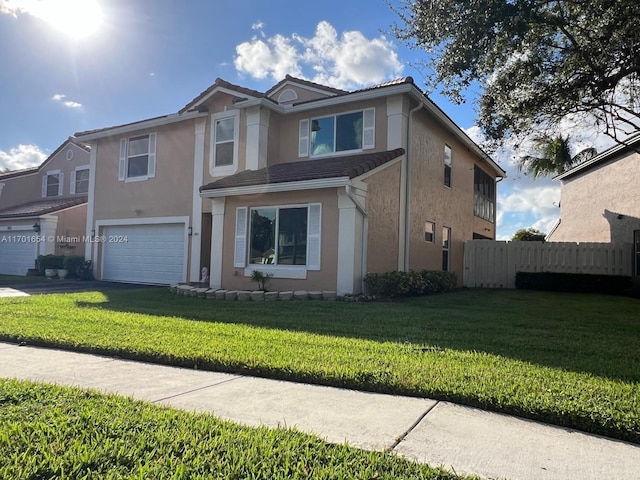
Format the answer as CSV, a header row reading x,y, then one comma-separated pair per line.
x,y
80,180
347,132
224,143
52,183
484,195
137,158
429,231
447,166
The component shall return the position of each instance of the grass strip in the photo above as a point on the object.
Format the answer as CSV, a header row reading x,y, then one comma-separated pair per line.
x,y
566,359
58,432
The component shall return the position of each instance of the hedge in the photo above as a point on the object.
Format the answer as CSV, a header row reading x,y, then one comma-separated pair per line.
x,y
573,282
409,284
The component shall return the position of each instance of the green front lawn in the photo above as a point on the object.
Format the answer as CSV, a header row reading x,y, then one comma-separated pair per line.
x,y
567,359
54,432
9,280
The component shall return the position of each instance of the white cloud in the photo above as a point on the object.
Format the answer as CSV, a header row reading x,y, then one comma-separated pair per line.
x,y
347,61
59,97
22,156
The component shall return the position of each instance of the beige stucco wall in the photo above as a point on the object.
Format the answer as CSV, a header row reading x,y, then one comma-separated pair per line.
x,y
592,202
383,209
72,225
324,279
27,188
431,200
169,193
304,94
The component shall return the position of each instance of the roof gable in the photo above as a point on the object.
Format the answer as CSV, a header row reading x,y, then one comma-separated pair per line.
x,y
28,171
302,88
221,85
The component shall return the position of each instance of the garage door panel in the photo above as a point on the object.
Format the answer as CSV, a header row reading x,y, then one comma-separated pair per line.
x,y
144,253
16,254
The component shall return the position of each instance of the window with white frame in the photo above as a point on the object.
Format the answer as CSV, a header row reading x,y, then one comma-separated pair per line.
x,y
80,180
278,236
52,184
447,166
346,132
224,142
429,231
446,248
137,158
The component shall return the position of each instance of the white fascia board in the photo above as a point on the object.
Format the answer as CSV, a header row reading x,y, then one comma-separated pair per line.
x,y
144,124
141,221
277,187
290,83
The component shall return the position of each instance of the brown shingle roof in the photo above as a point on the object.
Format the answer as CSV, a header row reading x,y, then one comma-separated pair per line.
x,y
349,166
220,83
42,207
304,82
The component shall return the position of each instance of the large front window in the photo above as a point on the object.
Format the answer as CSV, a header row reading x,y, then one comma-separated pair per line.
x,y
484,194
346,132
278,236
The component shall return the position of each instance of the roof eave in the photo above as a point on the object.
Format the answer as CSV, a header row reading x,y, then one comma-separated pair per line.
x,y
142,125
315,184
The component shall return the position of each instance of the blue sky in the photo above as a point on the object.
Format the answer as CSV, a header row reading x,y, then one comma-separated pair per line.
x,y
67,68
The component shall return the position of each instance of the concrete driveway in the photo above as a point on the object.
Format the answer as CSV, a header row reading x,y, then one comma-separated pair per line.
x,y
63,286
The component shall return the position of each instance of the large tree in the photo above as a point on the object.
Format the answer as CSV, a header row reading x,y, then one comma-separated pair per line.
x,y
552,156
537,62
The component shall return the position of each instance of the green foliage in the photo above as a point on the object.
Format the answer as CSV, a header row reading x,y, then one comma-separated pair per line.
x,y
556,357
553,157
71,263
528,235
409,284
574,282
56,432
261,279
50,261
537,63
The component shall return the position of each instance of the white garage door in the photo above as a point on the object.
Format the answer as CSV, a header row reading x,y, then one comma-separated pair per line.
x,y
152,254
17,252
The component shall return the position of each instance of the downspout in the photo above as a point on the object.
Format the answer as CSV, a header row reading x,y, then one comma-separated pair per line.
x,y
365,233
407,200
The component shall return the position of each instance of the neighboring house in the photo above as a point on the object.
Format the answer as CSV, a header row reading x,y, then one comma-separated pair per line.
x,y
312,185
600,199
43,209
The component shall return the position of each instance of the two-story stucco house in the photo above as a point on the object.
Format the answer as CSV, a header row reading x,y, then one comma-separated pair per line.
x,y
600,199
312,185
43,209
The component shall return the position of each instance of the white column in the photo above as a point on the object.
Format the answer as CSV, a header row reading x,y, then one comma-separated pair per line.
x,y
196,213
48,227
91,196
257,137
349,246
217,237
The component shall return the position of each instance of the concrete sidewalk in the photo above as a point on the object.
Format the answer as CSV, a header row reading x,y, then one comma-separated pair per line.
x,y
466,439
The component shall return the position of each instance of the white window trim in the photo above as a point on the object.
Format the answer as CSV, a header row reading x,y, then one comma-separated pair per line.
x,y
74,176
285,271
123,166
224,170
60,183
433,231
448,164
306,139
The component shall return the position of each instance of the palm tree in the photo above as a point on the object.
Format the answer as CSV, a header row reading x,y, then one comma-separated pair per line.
x,y
554,157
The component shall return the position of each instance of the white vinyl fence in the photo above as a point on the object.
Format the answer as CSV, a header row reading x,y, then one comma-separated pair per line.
x,y
493,264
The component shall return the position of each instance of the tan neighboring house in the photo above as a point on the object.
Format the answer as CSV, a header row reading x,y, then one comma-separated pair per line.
x,y
312,185
43,209
600,199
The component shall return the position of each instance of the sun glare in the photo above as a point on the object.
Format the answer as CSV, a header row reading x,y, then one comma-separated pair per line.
x,y
76,18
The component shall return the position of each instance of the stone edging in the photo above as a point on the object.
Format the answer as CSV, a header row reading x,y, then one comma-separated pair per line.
x,y
252,295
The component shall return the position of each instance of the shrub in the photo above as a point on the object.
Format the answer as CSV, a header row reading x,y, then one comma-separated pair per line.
x,y
573,282
72,263
49,261
409,284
